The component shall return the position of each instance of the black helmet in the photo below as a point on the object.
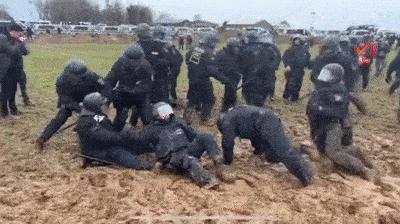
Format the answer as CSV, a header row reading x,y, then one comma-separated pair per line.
x,y
143,31
210,40
252,38
159,32
75,66
93,102
233,42
331,74
330,46
162,111
134,51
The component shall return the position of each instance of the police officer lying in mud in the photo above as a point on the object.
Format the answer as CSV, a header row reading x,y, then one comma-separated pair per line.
x,y
266,133
99,141
178,146
326,109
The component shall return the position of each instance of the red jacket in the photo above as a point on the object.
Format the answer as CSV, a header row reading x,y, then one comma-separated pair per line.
x,y
366,52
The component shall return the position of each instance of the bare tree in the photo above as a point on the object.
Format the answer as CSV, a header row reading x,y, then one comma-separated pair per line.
x,y
139,14
71,11
3,13
165,18
113,14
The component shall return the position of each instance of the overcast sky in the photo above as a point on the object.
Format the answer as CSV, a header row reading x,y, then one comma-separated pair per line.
x,y
333,14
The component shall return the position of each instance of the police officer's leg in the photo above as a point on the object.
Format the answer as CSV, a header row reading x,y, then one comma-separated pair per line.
x,y
347,129
173,79
145,111
287,92
135,114
297,83
120,117
11,97
229,99
208,101
192,165
54,125
356,152
280,150
335,152
124,157
22,86
3,99
205,143
365,76
257,145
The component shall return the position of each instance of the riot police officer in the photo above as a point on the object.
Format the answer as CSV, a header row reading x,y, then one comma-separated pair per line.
x,y
130,79
74,83
328,105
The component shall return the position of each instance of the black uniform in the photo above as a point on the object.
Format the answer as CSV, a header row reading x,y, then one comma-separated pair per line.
x,y
72,86
383,50
201,66
8,76
394,66
19,71
131,80
393,87
266,133
228,62
327,107
179,147
99,141
349,77
260,62
157,54
297,57
176,60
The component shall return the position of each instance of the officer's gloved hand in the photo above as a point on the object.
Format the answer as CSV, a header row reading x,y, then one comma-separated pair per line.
x,y
128,135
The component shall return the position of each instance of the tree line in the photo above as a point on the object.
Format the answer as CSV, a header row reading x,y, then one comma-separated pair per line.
x,y
75,11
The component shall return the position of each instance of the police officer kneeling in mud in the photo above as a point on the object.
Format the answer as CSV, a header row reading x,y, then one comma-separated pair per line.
x,y
100,143
327,107
75,82
178,146
267,136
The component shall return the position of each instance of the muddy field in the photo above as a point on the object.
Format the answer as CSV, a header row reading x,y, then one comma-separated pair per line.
x,y
51,186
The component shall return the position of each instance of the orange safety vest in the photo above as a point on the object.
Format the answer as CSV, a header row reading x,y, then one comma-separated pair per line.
x,y
366,52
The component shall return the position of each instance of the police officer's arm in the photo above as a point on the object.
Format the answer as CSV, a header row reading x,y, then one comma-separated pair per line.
x,y
308,60
104,136
287,56
228,142
190,132
95,82
5,63
394,65
276,59
394,86
112,78
145,84
23,49
64,96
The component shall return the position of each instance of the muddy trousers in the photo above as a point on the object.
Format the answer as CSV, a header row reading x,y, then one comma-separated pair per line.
x,y
117,155
347,157
188,159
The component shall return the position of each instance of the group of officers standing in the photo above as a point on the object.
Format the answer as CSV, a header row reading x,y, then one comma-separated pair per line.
x,y
142,83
